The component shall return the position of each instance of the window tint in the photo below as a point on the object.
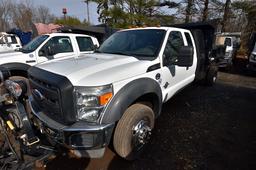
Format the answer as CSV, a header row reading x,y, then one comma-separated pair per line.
x,y
60,44
85,43
2,40
13,38
143,44
174,43
188,39
227,42
34,44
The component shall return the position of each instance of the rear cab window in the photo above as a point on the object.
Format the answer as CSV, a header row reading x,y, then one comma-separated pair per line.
x,y
85,44
189,40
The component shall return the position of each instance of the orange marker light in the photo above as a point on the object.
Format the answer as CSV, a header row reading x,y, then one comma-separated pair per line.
x,y
104,99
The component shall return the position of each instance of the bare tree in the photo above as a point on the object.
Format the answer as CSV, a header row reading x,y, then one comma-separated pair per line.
x,y
5,6
225,16
22,16
189,10
205,10
42,15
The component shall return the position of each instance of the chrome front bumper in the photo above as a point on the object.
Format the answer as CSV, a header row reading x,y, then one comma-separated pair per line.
x,y
80,136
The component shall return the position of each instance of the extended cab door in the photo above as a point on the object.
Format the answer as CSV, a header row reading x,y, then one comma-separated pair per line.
x,y
56,47
176,77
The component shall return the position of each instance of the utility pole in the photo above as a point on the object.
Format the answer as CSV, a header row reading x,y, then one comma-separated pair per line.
x,y
88,15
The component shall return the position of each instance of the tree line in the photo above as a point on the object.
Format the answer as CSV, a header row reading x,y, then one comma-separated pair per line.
x,y
23,14
232,16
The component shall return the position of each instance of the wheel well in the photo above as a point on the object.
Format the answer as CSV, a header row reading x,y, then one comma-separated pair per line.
x,y
22,73
151,100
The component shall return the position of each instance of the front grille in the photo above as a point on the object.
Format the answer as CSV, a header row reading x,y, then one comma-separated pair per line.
x,y
53,94
50,104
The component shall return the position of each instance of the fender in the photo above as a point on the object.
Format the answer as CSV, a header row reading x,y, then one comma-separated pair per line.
x,y
128,94
17,69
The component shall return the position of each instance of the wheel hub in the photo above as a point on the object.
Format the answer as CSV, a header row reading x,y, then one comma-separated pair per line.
x,y
141,133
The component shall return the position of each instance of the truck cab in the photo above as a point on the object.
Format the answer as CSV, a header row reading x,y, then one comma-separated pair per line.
x,y
252,59
231,44
252,52
47,47
118,91
9,42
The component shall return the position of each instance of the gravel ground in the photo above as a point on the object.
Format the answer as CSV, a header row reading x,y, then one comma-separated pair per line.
x,y
200,128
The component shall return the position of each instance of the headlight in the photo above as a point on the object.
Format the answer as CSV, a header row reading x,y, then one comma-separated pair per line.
x,y
90,101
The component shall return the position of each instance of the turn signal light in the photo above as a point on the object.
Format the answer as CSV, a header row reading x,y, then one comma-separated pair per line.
x,y
104,99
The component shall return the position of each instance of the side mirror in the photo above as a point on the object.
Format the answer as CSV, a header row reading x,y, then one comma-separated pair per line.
x,y
185,56
51,51
42,52
94,47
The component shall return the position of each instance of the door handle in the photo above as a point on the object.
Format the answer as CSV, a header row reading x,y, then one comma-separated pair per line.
x,y
30,61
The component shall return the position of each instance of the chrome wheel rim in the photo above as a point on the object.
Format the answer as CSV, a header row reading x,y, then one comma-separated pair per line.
x,y
141,133
214,79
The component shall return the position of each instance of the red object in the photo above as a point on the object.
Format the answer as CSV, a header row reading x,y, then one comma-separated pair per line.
x,y
64,10
46,28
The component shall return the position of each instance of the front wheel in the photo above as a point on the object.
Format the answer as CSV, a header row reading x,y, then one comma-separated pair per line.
x,y
133,131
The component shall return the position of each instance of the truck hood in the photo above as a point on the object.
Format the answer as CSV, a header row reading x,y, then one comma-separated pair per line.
x,y
14,56
97,69
10,54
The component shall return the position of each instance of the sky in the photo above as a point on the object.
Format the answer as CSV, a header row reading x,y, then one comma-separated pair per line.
x,y
75,8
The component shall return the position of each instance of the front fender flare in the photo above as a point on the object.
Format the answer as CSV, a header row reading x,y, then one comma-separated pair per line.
x,y
128,94
17,69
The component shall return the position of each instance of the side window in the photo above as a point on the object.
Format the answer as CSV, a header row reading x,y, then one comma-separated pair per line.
x,y
14,41
60,44
1,40
173,45
189,40
228,42
85,43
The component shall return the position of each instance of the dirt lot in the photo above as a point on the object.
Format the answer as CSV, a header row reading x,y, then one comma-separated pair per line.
x,y
200,128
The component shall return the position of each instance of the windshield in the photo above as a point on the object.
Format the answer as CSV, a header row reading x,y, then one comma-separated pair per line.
x,y
142,44
34,44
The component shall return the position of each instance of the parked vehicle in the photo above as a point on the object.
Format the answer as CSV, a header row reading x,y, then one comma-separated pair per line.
x,y
9,42
252,52
232,45
47,47
118,92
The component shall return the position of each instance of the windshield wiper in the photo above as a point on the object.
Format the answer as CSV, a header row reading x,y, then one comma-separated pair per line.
x,y
118,53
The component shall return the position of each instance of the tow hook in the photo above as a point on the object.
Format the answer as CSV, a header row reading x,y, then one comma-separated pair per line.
x,y
30,142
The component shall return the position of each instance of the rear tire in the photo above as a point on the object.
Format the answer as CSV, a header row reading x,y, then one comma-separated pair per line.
x,y
133,131
211,76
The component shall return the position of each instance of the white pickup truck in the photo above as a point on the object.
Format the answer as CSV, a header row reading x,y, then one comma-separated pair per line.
x,y
9,42
46,47
118,91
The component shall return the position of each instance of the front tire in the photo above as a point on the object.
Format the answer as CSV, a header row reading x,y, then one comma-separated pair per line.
x,y
133,131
